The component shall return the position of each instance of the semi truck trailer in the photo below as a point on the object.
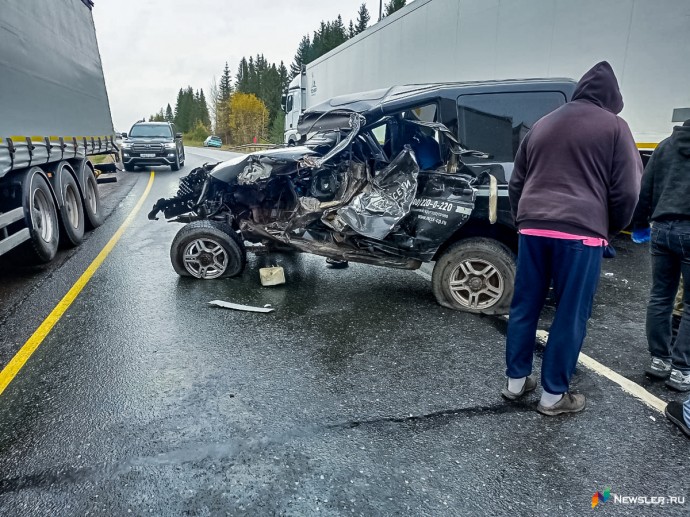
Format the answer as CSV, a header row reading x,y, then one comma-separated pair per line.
x,y
437,41
54,115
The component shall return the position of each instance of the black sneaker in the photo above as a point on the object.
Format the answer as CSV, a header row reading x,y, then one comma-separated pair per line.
x,y
530,385
679,381
674,412
569,403
659,369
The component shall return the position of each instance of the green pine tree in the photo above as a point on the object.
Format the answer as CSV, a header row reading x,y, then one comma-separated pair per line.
x,y
363,18
393,6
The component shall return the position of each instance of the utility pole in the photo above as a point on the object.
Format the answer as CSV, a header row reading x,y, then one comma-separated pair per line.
x,y
380,10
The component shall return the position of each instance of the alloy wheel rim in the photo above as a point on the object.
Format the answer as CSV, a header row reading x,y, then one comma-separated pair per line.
x,y
476,284
205,259
72,206
91,197
41,216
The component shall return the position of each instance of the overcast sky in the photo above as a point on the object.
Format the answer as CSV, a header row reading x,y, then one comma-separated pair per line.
x,y
152,48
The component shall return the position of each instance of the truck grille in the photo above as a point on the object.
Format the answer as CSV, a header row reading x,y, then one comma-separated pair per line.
x,y
147,148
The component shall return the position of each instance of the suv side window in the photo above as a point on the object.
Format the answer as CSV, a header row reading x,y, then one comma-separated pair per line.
x,y
396,132
496,123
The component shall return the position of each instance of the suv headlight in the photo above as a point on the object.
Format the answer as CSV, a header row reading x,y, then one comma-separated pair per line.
x,y
126,145
170,145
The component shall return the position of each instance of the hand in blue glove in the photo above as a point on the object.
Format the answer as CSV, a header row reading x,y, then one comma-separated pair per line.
x,y
641,236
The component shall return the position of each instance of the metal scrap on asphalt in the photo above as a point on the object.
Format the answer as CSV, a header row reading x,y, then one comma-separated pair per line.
x,y
240,307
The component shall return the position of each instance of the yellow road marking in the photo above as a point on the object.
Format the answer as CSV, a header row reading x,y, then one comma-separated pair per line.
x,y
19,360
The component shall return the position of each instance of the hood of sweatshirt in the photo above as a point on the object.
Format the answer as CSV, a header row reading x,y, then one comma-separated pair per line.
x,y
680,138
600,86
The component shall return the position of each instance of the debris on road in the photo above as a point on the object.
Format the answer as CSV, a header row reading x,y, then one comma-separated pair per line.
x,y
240,307
272,276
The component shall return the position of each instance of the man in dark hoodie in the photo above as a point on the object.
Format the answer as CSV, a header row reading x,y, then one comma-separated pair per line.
x,y
665,201
574,185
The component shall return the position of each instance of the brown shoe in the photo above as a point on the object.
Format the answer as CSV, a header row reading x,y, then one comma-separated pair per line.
x,y
568,404
530,385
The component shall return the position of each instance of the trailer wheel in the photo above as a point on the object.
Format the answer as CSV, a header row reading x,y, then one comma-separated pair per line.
x,y
41,217
71,214
475,275
92,201
208,250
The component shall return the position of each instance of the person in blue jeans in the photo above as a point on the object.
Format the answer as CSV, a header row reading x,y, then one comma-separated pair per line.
x,y
665,203
575,183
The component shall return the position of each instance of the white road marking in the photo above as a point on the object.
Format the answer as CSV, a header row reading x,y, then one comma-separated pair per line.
x,y
626,384
423,274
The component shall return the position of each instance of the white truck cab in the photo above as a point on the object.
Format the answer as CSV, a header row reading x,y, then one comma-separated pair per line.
x,y
294,102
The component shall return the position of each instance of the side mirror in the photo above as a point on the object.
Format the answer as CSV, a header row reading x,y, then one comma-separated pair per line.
x,y
283,101
124,135
178,135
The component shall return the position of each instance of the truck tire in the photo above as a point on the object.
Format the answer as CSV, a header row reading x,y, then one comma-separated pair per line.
x,y
71,213
208,250
92,201
176,166
129,167
41,217
475,275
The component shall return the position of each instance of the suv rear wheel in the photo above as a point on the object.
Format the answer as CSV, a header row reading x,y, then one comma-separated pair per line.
x,y
475,275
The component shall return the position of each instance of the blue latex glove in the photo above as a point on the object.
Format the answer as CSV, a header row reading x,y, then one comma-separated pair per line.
x,y
641,236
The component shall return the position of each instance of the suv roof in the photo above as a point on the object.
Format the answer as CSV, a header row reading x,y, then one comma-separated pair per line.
x,y
366,101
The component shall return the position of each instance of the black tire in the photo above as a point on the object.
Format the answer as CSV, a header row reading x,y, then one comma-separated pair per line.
x,y
184,157
216,237
41,217
71,207
92,201
129,167
291,143
176,166
483,273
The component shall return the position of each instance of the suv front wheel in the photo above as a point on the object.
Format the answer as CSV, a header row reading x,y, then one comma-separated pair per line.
x,y
176,166
475,275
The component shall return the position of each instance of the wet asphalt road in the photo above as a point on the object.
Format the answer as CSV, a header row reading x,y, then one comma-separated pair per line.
x,y
357,396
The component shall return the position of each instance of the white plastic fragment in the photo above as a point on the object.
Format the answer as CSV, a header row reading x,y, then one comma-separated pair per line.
x,y
239,307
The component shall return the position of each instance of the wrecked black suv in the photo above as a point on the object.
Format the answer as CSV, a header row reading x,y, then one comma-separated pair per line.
x,y
392,177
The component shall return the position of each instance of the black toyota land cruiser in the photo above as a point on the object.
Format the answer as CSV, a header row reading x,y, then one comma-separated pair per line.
x,y
394,177
152,143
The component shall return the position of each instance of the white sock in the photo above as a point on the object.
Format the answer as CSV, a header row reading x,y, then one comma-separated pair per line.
x,y
516,385
548,400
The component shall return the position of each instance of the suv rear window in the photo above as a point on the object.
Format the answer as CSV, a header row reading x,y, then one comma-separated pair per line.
x,y
150,131
496,123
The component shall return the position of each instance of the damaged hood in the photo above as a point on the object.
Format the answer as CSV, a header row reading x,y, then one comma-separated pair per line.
x,y
260,165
